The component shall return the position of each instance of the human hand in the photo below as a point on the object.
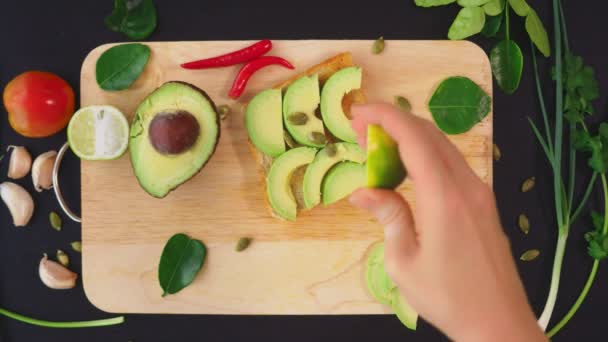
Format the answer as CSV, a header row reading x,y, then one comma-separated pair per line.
x,y
451,260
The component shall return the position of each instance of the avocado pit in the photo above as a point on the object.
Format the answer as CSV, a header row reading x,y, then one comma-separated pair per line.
x,y
173,132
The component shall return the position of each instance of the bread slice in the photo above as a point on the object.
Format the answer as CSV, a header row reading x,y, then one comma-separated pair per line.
x,y
324,70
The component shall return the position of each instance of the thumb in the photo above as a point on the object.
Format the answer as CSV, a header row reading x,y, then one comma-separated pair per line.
x,y
394,213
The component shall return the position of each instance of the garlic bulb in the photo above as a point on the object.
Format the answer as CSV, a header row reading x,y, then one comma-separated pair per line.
x,y
42,171
19,202
20,163
55,275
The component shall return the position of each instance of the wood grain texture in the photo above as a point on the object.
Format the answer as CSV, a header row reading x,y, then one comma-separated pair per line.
x,y
311,266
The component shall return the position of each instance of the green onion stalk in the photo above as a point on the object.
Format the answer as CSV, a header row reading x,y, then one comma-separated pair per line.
x,y
551,142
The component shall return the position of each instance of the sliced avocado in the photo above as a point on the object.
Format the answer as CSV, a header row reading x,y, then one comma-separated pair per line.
x,y
403,310
338,85
342,180
173,134
325,159
264,122
278,181
380,286
301,99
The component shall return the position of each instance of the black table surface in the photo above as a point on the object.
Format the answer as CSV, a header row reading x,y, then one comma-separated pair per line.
x,y
56,36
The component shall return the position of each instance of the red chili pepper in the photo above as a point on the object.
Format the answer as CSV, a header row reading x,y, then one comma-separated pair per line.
x,y
240,56
250,68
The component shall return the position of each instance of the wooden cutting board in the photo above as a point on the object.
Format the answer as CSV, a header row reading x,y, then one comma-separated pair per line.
x,y
311,266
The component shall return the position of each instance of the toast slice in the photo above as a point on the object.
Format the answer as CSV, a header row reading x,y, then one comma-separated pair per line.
x,y
324,70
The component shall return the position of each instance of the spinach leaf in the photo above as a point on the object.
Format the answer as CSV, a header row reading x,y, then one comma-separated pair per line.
x,y
492,26
458,104
181,260
432,3
520,7
494,7
469,21
472,3
135,18
507,63
119,66
537,33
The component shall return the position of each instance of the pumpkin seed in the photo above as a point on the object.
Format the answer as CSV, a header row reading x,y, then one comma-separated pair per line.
x,y
242,244
223,110
331,150
524,223
55,220
528,184
317,138
298,118
403,103
77,246
289,140
378,46
530,255
62,258
496,153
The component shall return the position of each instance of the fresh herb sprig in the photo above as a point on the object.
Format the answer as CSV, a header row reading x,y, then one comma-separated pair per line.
x,y
575,89
486,17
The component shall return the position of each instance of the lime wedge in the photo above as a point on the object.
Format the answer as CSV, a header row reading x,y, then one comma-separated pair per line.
x,y
384,166
98,133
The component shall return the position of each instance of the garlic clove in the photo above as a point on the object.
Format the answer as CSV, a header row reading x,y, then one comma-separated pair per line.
x,y
19,202
20,163
42,171
55,276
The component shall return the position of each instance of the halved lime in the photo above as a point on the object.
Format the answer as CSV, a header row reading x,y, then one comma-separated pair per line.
x,y
98,133
384,166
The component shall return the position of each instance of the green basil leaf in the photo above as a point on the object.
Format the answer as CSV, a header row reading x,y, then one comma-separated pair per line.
x,y
432,3
520,7
469,21
537,33
494,7
181,260
119,66
458,104
507,63
472,3
492,26
135,18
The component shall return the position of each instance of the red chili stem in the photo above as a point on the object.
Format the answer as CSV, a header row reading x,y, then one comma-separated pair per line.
x,y
236,57
241,79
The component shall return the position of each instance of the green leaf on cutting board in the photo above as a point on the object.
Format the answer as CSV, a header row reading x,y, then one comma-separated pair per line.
x,y
507,63
180,262
135,18
494,7
469,21
472,3
119,66
520,7
433,3
537,33
492,26
458,104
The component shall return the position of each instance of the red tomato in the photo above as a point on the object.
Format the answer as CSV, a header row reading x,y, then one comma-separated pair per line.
x,y
38,103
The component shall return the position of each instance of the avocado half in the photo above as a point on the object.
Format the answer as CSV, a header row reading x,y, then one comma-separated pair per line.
x,y
173,134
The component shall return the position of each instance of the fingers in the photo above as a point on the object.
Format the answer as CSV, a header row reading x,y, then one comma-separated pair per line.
x,y
394,213
427,154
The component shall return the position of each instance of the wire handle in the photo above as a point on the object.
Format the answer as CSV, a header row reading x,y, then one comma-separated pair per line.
x,y
58,194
